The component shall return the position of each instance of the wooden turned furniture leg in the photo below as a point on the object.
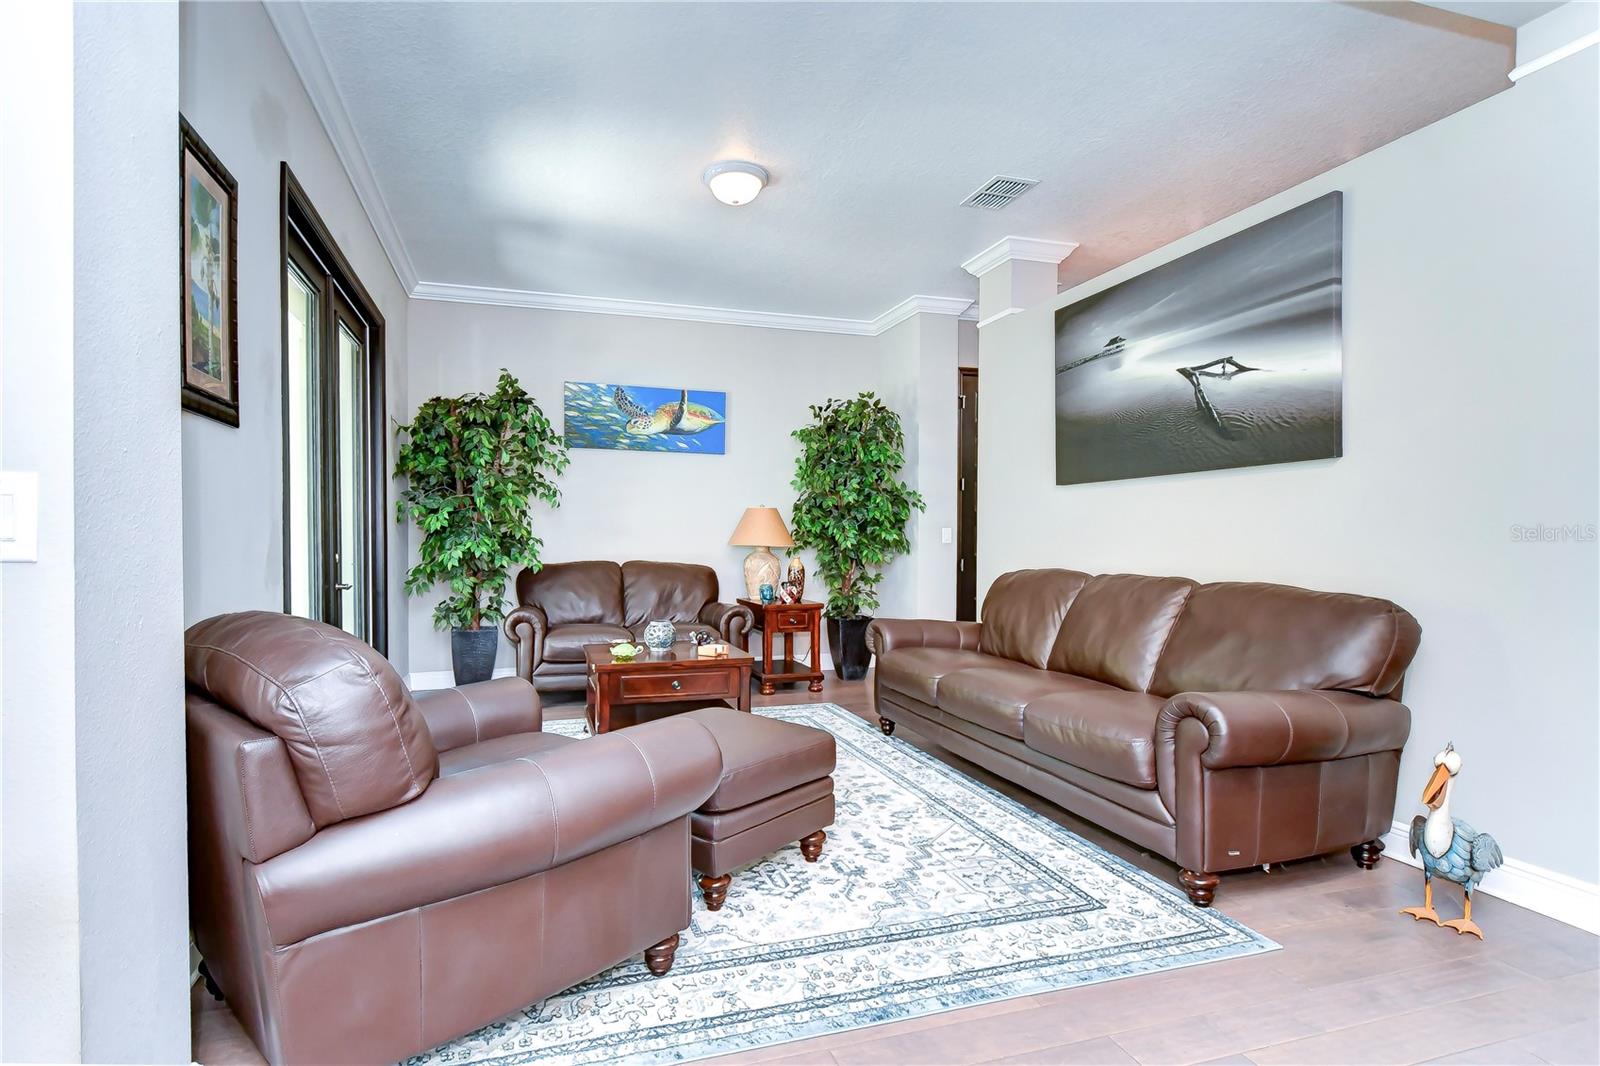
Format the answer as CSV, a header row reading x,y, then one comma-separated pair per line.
x,y
886,726
1202,888
659,957
1368,854
811,845
715,890
816,650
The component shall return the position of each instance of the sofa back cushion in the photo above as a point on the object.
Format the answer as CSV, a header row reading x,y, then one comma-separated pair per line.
x,y
1023,611
356,740
574,592
674,591
1117,628
1247,635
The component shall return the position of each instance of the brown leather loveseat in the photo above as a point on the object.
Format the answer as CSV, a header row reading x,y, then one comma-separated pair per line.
x,y
564,606
372,873
1222,726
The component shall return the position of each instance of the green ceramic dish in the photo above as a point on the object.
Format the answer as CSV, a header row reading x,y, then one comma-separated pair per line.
x,y
623,650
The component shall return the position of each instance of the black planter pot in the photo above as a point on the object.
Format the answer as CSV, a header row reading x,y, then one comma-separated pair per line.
x,y
472,653
847,644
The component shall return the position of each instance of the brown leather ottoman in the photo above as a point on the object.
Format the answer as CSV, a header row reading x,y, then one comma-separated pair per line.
x,y
776,787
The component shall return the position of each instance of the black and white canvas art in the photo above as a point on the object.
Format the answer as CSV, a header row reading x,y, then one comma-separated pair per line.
x,y
1229,356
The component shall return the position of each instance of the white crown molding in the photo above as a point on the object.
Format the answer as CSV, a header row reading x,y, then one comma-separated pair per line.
x,y
1554,895
998,315
727,316
1028,249
288,17
920,305
1571,48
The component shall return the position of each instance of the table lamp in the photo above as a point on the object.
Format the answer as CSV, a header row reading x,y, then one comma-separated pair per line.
x,y
761,528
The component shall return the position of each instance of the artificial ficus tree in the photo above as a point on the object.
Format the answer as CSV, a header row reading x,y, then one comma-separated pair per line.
x,y
853,508
474,465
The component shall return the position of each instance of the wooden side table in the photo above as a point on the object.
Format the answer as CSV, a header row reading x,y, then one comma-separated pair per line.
x,y
786,619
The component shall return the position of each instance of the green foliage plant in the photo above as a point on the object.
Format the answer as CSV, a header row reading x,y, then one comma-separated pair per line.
x,y
853,508
474,464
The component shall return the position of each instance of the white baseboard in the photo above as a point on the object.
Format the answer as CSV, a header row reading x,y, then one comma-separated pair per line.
x,y
1554,895
423,680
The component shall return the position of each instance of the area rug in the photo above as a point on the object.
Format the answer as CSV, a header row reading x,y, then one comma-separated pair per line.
x,y
933,892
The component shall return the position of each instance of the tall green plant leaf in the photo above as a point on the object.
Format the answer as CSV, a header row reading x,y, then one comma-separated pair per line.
x,y
474,465
853,508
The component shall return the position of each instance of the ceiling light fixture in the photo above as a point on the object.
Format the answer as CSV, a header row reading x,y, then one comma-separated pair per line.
x,y
735,182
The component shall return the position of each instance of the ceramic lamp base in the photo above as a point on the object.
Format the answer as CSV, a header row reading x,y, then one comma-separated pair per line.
x,y
760,568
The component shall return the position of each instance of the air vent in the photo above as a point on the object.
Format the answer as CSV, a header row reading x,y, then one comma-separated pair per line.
x,y
998,192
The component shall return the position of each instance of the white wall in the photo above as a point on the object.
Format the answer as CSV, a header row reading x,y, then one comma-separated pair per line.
x,y
1470,349
242,95
644,505
39,930
128,539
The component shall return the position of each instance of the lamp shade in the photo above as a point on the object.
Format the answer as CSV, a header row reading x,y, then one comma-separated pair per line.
x,y
761,527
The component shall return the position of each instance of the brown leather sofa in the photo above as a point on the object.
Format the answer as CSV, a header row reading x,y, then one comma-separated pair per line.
x,y
564,606
372,872
1222,726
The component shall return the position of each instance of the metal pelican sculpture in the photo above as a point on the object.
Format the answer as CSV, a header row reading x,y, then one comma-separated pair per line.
x,y
1449,847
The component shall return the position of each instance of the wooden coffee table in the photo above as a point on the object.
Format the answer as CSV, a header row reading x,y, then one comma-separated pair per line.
x,y
677,675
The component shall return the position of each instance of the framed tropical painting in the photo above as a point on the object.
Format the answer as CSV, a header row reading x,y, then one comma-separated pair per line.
x,y
209,245
645,418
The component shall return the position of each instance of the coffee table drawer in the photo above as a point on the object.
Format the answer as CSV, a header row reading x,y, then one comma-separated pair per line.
x,y
682,685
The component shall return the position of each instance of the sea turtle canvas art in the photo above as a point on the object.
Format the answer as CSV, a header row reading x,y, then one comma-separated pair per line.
x,y
645,418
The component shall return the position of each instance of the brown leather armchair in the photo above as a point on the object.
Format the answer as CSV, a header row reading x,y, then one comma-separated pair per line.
x,y
563,606
373,873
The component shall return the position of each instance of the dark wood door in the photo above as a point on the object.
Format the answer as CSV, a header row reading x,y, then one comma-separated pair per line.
x,y
967,497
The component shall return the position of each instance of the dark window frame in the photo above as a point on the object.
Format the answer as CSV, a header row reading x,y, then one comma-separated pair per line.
x,y
305,242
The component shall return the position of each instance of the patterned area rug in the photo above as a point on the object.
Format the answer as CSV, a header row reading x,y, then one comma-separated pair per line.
x,y
933,892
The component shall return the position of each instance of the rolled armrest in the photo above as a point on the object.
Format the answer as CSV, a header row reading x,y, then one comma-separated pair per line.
x,y
732,620
491,826
885,634
1275,728
467,714
526,627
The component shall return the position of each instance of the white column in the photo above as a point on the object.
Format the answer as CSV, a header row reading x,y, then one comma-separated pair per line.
x,y
1015,273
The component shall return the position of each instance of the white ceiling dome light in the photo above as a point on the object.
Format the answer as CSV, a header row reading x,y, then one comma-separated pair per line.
x,y
735,182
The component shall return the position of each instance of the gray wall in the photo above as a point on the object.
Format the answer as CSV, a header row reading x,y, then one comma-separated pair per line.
x,y
1470,385
241,93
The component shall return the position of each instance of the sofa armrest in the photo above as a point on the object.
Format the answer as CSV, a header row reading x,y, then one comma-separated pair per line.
x,y
732,620
1277,728
491,826
526,627
467,714
885,634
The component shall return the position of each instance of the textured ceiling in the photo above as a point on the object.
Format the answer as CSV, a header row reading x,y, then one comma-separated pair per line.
x,y
558,147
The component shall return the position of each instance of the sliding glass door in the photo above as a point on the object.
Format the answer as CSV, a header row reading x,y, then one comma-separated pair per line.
x,y
333,446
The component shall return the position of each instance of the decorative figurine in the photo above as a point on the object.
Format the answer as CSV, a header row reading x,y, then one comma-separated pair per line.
x,y
1449,847
659,635
766,593
796,577
697,637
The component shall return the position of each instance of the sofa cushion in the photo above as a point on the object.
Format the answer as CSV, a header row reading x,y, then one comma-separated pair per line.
x,y
995,696
574,592
674,591
564,644
916,671
1023,610
1117,627
354,735
1243,635
1105,731
499,749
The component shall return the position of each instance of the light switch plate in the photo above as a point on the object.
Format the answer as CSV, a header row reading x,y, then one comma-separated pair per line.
x,y
945,534
19,516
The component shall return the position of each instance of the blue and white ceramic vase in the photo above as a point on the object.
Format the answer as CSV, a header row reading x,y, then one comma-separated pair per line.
x,y
659,635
